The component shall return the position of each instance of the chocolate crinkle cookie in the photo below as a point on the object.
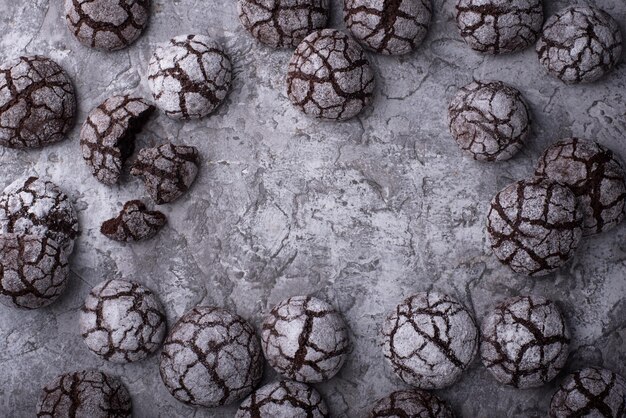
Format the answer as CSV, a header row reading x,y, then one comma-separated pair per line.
x,y
282,23
411,404
37,102
33,270
590,392
285,399
534,226
499,26
580,44
388,27
489,120
429,340
329,76
31,205
122,321
595,175
167,170
134,223
524,341
107,138
86,393
211,357
189,76
305,339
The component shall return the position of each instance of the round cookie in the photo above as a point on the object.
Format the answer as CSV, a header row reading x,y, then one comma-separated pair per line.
x,y
189,76
134,223
34,206
390,28
580,44
411,404
524,341
122,321
107,24
37,102
499,26
594,174
282,23
590,392
211,357
285,399
534,226
86,393
329,76
33,270
305,339
429,340
489,120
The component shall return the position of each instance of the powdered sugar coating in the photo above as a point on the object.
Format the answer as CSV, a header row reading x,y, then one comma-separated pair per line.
x,y
429,340
525,341
305,339
411,404
285,399
134,223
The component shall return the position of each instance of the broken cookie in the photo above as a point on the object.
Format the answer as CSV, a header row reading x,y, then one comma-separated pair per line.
x,y
134,223
285,399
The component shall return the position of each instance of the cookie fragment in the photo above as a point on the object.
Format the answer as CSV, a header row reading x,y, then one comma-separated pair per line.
x,y
134,223
33,270
489,120
189,76
429,340
388,27
590,392
499,26
122,321
329,76
37,102
107,24
580,44
524,341
167,170
595,175
534,226
305,339
285,399
107,137
86,393
411,404
211,357
282,23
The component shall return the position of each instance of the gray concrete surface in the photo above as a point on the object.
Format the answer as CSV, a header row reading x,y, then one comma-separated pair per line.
x,y
360,213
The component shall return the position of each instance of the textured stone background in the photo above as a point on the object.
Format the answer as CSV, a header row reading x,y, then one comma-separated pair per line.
x,y
360,213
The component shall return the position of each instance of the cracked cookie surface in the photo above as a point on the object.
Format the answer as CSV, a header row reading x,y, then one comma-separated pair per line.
x,y
37,102
595,175
499,26
211,357
189,76
134,223
122,321
86,393
329,76
411,404
534,226
285,399
107,24
168,170
282,23
107,138
34,270
590,392
429,340
305,339
580,44
31,205
391,27
524,341
489,120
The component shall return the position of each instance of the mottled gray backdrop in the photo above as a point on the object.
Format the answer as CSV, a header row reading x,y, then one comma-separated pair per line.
x,y
360,213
